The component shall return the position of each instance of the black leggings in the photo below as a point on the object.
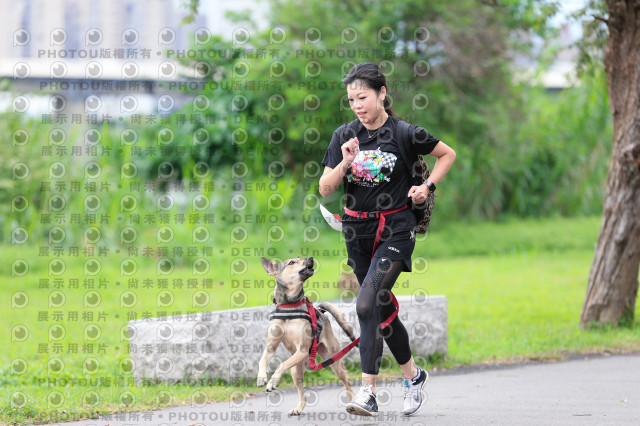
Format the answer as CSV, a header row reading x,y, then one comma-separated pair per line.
x,y
374,306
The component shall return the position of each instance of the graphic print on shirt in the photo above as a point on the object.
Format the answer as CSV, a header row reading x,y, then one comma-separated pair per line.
x,y
371,167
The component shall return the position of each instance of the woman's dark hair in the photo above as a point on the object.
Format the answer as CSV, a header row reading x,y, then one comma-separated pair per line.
x,y
372,77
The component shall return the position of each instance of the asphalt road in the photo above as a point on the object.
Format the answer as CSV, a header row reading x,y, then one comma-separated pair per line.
x,y
603,390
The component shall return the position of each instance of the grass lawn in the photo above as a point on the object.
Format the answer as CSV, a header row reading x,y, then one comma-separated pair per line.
x,y
514,290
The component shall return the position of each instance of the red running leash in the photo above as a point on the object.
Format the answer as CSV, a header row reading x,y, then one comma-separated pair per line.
x,y
314,325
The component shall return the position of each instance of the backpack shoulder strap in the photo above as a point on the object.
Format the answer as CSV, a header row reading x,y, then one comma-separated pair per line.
x,y
409,157
348,131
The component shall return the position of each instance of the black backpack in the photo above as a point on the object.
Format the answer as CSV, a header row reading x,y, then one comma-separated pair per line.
x,y
416,166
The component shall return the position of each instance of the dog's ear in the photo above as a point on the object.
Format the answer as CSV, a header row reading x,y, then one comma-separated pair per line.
x,y
269,266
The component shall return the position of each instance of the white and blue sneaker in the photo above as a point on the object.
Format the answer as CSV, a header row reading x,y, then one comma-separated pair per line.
x,y
364,404
414,394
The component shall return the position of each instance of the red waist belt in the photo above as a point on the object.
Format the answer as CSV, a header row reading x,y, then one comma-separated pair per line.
x,y
378,215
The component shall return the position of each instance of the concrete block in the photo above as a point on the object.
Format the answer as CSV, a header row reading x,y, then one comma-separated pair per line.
x,y
228,344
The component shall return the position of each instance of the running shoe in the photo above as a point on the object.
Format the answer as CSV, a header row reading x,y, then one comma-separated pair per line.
x,y
364,404
414,394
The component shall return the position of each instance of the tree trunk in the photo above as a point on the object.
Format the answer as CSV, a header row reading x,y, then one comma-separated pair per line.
x,y
613,280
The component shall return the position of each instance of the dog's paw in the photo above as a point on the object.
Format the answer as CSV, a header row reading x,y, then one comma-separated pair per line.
x,y
295,412
262,380
271,386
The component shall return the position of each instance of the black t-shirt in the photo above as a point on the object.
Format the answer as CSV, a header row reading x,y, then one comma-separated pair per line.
x,y
378,179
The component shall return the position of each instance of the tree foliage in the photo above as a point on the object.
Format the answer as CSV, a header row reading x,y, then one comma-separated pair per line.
x,y
594,36
450,70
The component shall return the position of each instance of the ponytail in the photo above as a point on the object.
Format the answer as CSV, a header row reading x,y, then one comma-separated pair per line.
x,y
387,107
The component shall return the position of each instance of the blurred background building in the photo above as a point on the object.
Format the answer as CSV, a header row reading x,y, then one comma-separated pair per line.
x,y
107,49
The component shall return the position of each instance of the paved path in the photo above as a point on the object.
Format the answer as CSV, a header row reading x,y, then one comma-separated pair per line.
x,y
604,390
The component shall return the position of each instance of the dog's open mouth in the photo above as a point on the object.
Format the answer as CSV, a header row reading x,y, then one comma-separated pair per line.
x,y
308,270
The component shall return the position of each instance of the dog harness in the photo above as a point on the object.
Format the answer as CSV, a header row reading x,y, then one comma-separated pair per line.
x,y
316,327
282,312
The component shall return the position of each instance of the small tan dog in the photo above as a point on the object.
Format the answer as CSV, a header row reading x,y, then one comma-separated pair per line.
x,y
296,333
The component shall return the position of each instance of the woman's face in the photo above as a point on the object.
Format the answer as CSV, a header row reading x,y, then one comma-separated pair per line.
x,y
365,102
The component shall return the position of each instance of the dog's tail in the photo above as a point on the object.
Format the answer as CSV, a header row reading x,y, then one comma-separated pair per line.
x,y
333,310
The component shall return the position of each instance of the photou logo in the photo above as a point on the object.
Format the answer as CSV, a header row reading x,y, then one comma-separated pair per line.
x,y
313,35
349,35
166,103
420,330
201,70
201,103
200,235
19,300
130,70
165,298
237,365
55,365
166,69
21,137
92,235
128,170
92,103
57,235
238,299
199,365
128,299
163,398
277,35
57,103
127,398
239,267
164,235
199,398
57,332
20,104
57,137
92,37
239,331
93,70
90,366
19,203
92,299
201,136
21,37
202,36
19,333
200,266
128,103
19,236
166,36
240,36
128,235
58,70
129,37
164,365
21,70
19,366
58,37
90,399
200,298
128,332
165,332
56,299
